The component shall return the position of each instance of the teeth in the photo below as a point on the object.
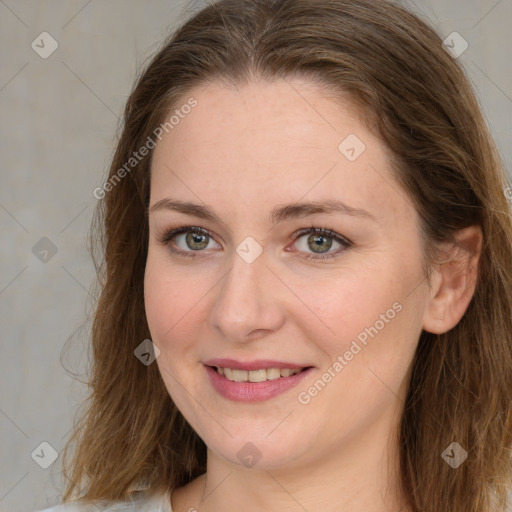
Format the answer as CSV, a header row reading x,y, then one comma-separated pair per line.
x,y
256,375
240,375
273,373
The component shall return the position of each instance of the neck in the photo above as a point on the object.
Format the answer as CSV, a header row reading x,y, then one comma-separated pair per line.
x,y
360,474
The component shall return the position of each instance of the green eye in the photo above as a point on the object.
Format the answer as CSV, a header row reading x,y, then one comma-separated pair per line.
x,y
319,241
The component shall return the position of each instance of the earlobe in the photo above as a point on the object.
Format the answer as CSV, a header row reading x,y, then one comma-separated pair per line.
x,y
454,281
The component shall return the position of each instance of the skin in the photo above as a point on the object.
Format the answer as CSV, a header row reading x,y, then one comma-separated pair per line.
x,y
242,152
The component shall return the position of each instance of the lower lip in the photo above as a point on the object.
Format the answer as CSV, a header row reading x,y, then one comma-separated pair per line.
x,y
253,391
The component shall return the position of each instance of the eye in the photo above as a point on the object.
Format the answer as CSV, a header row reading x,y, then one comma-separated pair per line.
x,y
320,241
195,239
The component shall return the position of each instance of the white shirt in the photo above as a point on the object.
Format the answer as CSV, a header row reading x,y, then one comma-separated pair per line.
x,y
141,501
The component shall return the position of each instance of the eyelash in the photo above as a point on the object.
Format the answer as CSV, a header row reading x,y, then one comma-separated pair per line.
x,y
329,233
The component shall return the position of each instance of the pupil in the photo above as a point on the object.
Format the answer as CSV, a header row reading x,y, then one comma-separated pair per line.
x,y
318,239
195,238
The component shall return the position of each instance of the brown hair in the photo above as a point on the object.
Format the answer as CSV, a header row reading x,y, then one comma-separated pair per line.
x,y
393,66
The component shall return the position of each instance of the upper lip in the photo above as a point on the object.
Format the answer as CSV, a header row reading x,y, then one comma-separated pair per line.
x,y
257,364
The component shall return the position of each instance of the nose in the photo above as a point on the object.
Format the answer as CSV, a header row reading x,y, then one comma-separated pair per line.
x,y
248,303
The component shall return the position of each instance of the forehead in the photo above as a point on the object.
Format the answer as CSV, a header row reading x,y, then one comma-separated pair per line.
x,y
271,142
296,109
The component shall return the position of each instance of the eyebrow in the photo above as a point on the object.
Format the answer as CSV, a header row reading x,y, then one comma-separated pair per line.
x,y
278,214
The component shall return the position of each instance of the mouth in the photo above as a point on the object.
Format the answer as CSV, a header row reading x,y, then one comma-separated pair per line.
x,y
259,375
255,381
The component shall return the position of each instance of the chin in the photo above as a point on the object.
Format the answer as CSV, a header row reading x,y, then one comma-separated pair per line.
x,y
257,452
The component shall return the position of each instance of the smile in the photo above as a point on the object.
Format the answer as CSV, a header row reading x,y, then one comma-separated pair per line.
x,y
260,375
254,385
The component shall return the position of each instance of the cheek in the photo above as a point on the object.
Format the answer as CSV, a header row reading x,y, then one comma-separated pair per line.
x,y
367,324
344,305
175,308
164,301
365,378
156,297
166,304
164,295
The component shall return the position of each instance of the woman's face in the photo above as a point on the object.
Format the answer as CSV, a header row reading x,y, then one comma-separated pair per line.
x,y
257,298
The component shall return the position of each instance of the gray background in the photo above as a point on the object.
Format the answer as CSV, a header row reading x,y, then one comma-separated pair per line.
x,y
59,118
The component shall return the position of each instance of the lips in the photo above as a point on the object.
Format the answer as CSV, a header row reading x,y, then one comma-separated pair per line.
x,y
254,380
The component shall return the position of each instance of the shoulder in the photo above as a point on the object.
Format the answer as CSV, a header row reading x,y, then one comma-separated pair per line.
x,y
141,501
68,507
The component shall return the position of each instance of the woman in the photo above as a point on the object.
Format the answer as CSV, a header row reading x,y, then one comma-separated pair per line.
x,y
307,292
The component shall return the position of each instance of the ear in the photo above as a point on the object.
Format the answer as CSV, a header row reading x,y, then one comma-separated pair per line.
x,y
453,281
